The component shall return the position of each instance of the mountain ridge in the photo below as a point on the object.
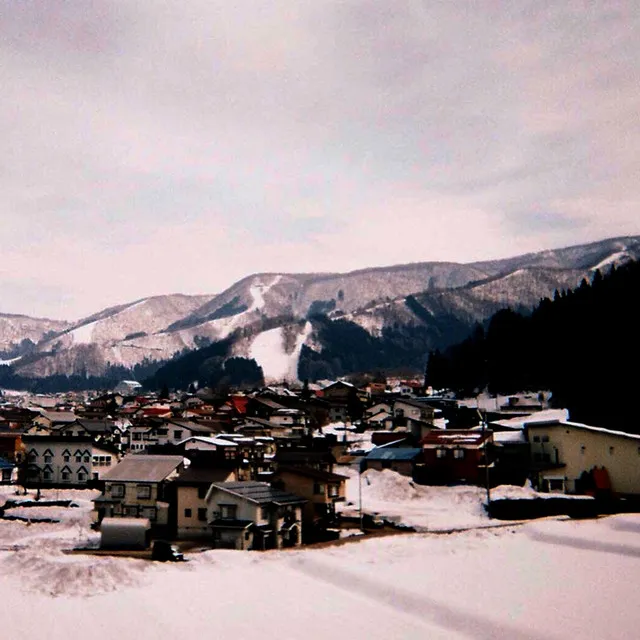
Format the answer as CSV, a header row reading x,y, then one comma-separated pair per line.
x,y
156,328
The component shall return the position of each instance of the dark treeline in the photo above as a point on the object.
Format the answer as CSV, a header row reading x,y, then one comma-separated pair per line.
x,y
347,348
210,366
583,345
60,383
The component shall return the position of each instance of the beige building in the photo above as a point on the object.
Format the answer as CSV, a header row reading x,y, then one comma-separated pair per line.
x,y
562,451
138,487
254,515
191,490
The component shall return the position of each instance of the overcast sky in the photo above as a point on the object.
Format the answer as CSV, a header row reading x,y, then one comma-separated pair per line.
x,y
158,147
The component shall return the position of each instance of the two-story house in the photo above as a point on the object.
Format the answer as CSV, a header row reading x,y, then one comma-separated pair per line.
x,y
321,489
254,515
191,488
139,486
456,456
564,453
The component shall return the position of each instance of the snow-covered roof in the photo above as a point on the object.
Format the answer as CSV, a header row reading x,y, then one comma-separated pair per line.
x,y
586,427
545,416
509,436
219,442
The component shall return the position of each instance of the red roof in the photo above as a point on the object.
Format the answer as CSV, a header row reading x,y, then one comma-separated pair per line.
x,y
155,411
239,403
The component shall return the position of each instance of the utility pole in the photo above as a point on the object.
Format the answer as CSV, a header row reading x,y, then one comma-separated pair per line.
x,y
483,422
360,493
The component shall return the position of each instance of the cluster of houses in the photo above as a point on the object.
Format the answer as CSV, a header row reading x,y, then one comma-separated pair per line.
x,y
257,471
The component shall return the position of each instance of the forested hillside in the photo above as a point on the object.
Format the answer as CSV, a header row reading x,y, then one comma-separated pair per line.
x,y
584,345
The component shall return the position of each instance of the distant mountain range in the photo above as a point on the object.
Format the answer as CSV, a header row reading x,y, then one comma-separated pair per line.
x,y
270,317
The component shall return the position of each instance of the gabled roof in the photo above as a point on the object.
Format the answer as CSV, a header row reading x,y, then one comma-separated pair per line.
x,y
259,492
98,426
143,468
267,402
218,442
196,474
414,403
58,417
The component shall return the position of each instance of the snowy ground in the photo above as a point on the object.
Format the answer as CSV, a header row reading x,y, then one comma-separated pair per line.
x,y
425,508
546,579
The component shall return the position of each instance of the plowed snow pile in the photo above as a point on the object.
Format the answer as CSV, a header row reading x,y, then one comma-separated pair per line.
x,y
51,572
426,508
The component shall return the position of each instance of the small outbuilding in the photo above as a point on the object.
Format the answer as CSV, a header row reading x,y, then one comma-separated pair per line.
x,y
125,533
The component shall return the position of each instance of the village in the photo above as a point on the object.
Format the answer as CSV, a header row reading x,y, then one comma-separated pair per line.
x,y
281,467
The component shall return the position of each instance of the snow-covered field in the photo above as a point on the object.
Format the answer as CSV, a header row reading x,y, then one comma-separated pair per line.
x,y
545,579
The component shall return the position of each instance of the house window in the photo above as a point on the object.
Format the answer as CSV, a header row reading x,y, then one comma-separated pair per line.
x,y
264,513
228,511
117,490
318,488
334,491
136,436
163,432
107,461
545,438
458,454
144,491
48,459
555,484
81,476
202,493
187,513
202,514
536,438
66,475
177,434
46,475
96,460
87,459
441,453
78,458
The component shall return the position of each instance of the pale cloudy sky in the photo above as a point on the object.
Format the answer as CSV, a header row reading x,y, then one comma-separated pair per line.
x,y
156,147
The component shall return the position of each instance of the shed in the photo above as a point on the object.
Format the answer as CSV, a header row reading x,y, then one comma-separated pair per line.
x,y
125,533
401,459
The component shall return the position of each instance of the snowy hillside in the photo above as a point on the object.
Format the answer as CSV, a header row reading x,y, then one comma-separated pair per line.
x,y
15,328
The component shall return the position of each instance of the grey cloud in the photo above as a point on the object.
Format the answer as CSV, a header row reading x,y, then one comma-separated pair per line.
x,y
300,122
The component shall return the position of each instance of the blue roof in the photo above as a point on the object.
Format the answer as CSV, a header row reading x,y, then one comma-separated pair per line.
x,y
385,453
5,464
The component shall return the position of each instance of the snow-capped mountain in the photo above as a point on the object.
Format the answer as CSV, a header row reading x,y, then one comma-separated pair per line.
x,y
18,333
268,313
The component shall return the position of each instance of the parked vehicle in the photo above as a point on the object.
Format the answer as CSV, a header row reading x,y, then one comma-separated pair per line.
x,y
166,552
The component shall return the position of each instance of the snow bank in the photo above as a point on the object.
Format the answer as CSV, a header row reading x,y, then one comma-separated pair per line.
x,y
425,508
